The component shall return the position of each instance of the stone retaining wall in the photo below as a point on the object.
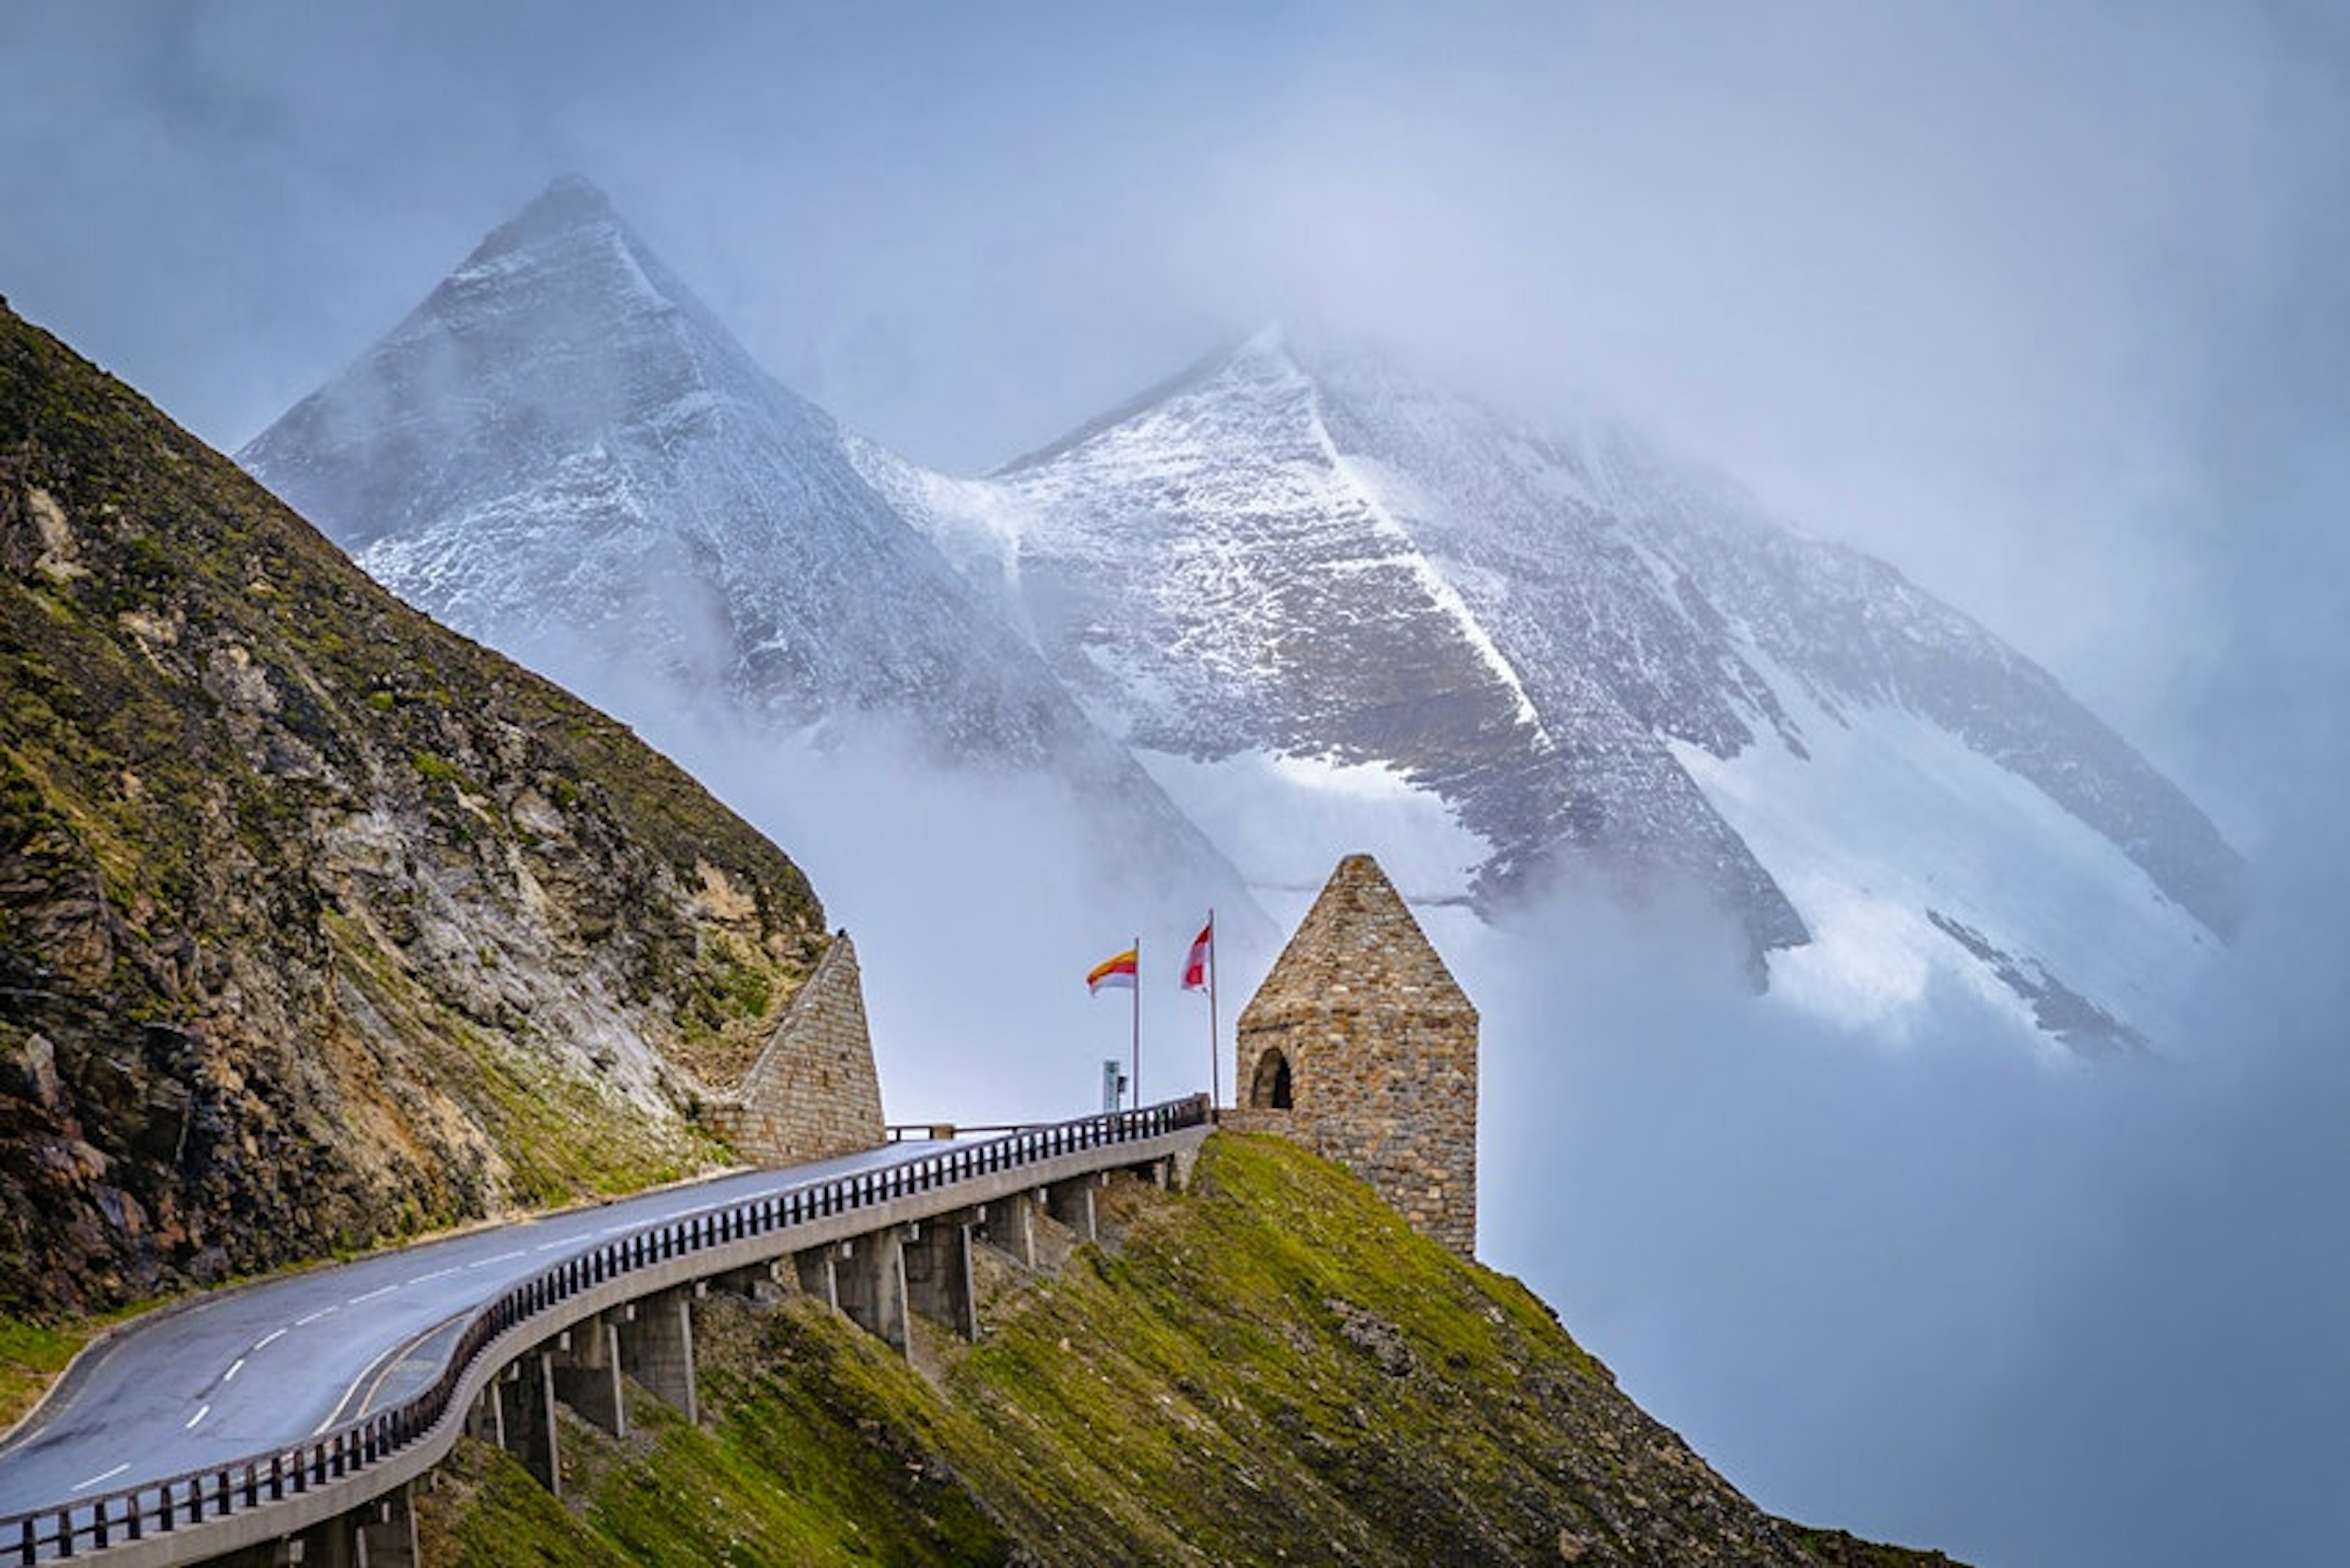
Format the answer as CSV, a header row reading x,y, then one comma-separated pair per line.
x,y
813,1092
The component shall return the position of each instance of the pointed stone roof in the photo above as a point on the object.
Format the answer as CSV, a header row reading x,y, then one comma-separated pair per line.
x,y
833,990
1358,949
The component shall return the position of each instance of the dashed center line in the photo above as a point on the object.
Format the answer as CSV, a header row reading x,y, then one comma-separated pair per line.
x,y
233,1368
101,1476
267,1340
201,1411
322,1312
501,1258
371,1296
436,1274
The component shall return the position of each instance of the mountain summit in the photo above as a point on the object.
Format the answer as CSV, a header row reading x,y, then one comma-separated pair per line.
x,y
1298,597
1303,575
562,452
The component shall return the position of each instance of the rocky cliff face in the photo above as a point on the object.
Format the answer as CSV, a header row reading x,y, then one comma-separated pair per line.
x,y
318,923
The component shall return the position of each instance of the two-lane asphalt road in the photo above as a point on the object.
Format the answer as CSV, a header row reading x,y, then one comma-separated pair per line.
x,y
271,1364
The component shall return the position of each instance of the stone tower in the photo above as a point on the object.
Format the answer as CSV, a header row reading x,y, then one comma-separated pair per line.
x,y
1362,1046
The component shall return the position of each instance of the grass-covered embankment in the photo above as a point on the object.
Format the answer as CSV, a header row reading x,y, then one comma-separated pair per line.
x,y
1271,1368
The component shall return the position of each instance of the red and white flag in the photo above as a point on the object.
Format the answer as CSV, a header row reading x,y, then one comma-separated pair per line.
x,y
1195,967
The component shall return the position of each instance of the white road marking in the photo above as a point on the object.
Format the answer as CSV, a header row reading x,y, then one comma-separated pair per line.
x,y
639,1224
201,1411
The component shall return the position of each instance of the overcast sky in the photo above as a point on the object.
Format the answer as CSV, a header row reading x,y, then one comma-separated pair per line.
x,y
1944,281
2045,304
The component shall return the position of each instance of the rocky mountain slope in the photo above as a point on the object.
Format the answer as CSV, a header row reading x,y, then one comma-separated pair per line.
x,y
562,452
318,922
1325,605
1270,1369
1307,581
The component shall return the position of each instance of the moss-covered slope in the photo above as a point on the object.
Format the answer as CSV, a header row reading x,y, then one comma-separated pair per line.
x,y
1270,1369
317,921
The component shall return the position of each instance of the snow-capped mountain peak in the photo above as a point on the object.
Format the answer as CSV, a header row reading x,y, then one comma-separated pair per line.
x,y
1293,568
562,452
1297,595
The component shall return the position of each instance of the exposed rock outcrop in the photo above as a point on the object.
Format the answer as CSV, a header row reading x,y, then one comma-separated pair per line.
x,y
318,923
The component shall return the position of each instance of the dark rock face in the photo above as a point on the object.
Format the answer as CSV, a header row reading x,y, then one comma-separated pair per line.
x,y
316,922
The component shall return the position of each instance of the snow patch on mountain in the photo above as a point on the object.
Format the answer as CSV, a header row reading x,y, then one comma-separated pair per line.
x,y
1890,821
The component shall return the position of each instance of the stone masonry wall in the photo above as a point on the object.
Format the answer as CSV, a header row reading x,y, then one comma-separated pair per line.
x,y
1382,1050
813,1092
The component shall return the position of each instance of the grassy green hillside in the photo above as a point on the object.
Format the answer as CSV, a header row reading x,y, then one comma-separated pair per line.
x,y
1269,1369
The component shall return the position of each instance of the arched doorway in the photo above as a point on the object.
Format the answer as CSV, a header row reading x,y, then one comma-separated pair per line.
x,y
1269,1090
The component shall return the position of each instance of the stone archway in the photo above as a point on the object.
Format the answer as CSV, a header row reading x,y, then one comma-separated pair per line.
x,y
1270,1089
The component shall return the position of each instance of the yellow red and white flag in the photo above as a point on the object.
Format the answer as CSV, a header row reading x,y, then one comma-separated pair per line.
x,y
1118,970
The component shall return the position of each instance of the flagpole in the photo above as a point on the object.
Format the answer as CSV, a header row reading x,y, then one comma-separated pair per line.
x,y
1138,1022
1215,1052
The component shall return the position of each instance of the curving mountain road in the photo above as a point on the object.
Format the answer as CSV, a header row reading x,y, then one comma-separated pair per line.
x,y
273,1363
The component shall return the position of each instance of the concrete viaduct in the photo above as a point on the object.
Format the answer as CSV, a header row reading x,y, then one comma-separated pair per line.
x,y
877,1243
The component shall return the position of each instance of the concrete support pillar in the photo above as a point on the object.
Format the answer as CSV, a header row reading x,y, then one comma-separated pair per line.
x,y
1072,1203
657,1349
285,1553
938,1272
1012,1226
586,1360
385,1537
1009,1226
485,1419
759,1282
527,1404
817,1275
872,1284
333,1544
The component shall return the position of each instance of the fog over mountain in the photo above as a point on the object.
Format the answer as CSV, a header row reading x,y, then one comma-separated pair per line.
x,y
2041,307
1326,604
1298,575
562,453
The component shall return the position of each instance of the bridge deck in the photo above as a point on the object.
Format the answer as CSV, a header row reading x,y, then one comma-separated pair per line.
x,y
353,1377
